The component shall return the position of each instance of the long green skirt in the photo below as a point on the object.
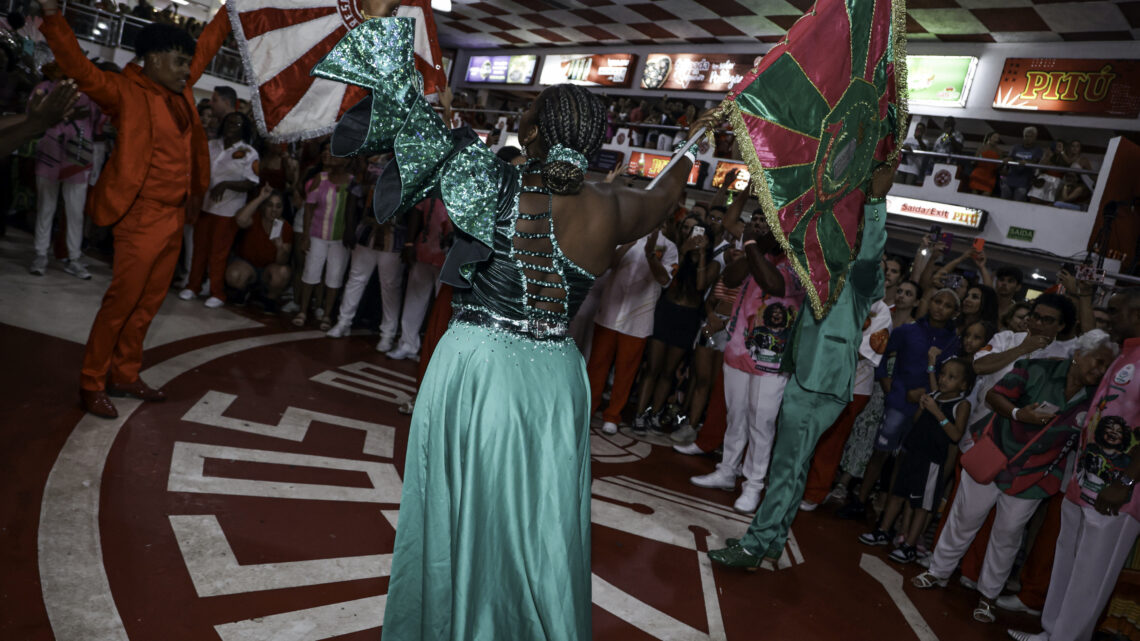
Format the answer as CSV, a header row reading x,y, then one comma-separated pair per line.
x,y
493,537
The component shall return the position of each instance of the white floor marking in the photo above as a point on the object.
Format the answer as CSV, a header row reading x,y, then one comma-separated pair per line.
x,y
893,583
293,426
370,380
617,448
712,598
643,616
188,461
216,571
313,624
77,594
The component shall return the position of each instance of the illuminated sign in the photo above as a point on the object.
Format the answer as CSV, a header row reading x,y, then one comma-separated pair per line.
x,y
715,72
649,165
601,70
1068,85
509,70
939,80
742,175
936,212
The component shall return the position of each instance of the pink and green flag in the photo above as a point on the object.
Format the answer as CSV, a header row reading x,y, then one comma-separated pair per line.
x,y
813,120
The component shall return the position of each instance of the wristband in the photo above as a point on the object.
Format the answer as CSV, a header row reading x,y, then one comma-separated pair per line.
x,y
944,422
690,153
749,242
929,369
1123,479
1013,414
872,200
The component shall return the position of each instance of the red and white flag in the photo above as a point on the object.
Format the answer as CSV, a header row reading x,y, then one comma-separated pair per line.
x,y
282,40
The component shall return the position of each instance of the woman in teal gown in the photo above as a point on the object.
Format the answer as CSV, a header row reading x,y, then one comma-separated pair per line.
x,y
493,535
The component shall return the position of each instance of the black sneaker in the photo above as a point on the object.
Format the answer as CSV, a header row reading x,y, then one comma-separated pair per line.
x,y
903,554
641,422
854,510
878,537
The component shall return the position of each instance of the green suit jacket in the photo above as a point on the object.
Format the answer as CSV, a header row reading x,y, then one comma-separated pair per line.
x,y
824,353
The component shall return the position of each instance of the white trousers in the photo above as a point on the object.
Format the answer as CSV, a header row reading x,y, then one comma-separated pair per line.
x,y
753,402
971,507
391,272
74,200
1091,550
423,282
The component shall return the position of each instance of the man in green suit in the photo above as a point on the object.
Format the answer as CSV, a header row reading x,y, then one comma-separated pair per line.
x,y
821,362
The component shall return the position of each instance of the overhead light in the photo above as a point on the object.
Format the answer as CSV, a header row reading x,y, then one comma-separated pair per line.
x,y
183,2
1038,276
102,25
441,5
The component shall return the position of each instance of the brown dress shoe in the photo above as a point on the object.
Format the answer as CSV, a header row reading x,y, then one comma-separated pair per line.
x,y
96,402
139,390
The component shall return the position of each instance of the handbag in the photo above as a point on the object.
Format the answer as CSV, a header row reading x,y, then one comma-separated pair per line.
x,y
985,460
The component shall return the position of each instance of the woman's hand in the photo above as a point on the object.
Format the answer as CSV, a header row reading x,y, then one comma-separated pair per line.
x,y
265,193
379,8
928,403
1031,415
932,356
980,259
615,172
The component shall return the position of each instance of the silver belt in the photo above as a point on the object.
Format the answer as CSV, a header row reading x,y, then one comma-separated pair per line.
x,y
537,329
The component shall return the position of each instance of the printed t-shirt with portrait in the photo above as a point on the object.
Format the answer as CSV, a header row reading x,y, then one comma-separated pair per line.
x,y
257,248
630,297
330,206
876,333
64,153
1110,432
761,324
234,163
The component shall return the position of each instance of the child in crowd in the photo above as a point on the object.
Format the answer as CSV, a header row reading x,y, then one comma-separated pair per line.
x,y
938,424
328,198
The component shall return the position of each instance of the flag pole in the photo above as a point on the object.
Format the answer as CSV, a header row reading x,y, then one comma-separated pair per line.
x,y
677,156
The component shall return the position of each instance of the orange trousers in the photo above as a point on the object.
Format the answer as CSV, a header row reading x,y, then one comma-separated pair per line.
x,y
829,451
1038,568
438,318
623,352
716,416
213,239
147,241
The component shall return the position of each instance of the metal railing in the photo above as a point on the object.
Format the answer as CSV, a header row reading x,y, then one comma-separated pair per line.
x,y
120,31
999,161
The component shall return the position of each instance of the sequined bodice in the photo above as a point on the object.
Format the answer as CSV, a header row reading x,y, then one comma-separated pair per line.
x,y
506,285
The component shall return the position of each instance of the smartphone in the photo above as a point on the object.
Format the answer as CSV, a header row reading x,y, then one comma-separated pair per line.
x,y
1089,273
697,231
953,281
745,217
947,241
935,232
1045,407
979,245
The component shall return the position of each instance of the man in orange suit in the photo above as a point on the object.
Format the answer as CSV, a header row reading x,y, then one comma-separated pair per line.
x,y
160,164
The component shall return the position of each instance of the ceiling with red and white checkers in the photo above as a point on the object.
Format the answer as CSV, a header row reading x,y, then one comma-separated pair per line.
x,y
555,23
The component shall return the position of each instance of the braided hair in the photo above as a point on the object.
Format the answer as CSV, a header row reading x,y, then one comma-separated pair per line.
x,y
571,116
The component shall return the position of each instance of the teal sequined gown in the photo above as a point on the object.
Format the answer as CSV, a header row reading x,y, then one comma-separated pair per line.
x,y
493,536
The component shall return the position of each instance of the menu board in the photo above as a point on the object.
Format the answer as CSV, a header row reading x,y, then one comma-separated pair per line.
x,y
716,72
509,70
650,165
742,177
590,70
939,80
1071,85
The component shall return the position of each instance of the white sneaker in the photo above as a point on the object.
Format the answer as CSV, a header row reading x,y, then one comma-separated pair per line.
x,y
214,302
290,308
39,265
401,353
1013,603
808,506
1018,635
385,345
340,330
609,428
691,449
748,501
838,494
684,434
186,294
717,480
967,583
77,269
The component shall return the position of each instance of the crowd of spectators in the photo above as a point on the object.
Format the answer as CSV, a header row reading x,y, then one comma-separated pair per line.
x,y
1004,168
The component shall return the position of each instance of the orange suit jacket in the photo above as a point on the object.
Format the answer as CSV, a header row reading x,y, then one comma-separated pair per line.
x,y
124,98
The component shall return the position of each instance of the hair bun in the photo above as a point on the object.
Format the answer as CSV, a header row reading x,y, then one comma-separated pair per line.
x,y
562,178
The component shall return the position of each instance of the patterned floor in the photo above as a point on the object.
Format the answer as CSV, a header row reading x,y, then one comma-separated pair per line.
x,y
259,503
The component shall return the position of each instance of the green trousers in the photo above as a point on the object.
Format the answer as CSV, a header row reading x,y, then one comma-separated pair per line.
x,y
804,417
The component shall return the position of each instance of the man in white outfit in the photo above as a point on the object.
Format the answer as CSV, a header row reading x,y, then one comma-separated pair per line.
x,y
376,249
425,249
